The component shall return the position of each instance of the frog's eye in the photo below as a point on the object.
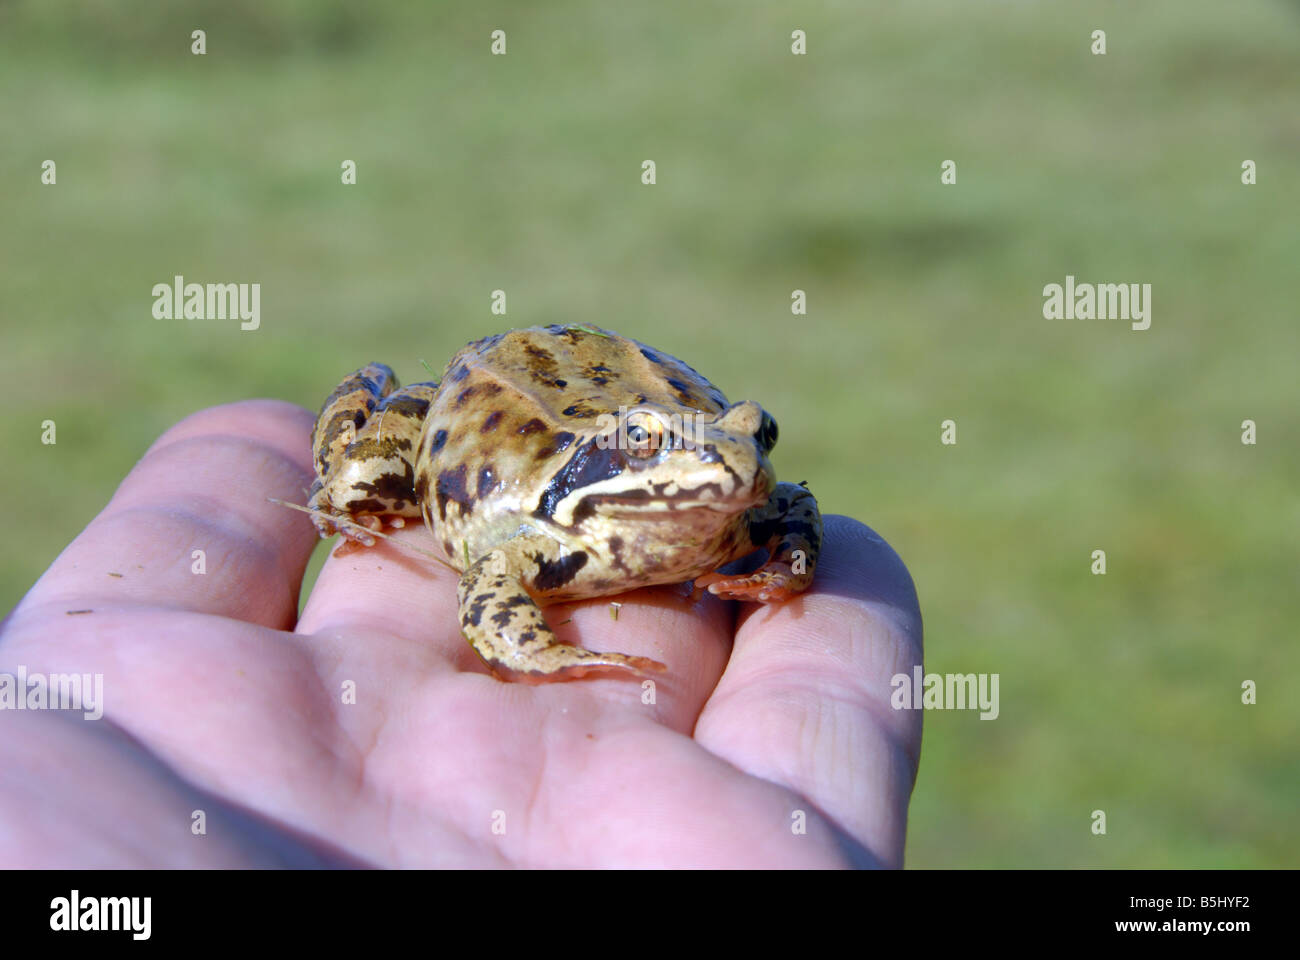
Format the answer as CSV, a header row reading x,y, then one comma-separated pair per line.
x,y
644,435
766,433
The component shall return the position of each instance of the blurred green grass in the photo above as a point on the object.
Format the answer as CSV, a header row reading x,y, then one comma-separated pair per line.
x,y
774,173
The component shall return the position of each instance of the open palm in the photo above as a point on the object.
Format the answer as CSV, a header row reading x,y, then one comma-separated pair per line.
x,y
366,731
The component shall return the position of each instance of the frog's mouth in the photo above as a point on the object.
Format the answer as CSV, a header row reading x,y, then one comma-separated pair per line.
x,y
709,497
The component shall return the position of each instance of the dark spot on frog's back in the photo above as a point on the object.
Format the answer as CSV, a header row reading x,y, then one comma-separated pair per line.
x,y
579,411
532,426
652,357
572,334
683,389
541,364
556,573
486,481
491,422
451,489
459,374
539,358
463,397
437,441
406,406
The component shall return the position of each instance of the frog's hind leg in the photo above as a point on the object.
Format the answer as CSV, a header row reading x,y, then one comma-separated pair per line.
x,y
789,526
364,447
504,624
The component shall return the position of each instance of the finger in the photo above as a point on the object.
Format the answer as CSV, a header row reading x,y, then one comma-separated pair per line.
x,y
390,588
394,599
191,528
805,700
691,636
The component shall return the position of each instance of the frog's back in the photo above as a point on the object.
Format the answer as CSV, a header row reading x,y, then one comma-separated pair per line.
x,y
512,410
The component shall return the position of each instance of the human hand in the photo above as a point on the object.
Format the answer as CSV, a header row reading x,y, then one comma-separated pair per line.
x,y
219,697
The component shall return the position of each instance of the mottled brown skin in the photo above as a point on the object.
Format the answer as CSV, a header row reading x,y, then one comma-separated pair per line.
x,y
560,463
364,444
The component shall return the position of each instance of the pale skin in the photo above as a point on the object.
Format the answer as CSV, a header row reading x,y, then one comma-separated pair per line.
x,y
218,697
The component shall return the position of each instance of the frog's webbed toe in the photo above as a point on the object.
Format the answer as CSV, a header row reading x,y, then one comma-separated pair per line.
x,y
789,527
505,627
329,520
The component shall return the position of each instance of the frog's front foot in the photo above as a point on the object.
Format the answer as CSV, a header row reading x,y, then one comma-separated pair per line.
x,y
789,527
773,583
504,624
330,521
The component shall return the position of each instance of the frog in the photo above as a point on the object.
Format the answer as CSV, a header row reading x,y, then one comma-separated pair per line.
x,y
560,463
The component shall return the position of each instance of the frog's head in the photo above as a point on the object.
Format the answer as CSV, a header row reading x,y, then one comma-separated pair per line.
x,y
650,463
